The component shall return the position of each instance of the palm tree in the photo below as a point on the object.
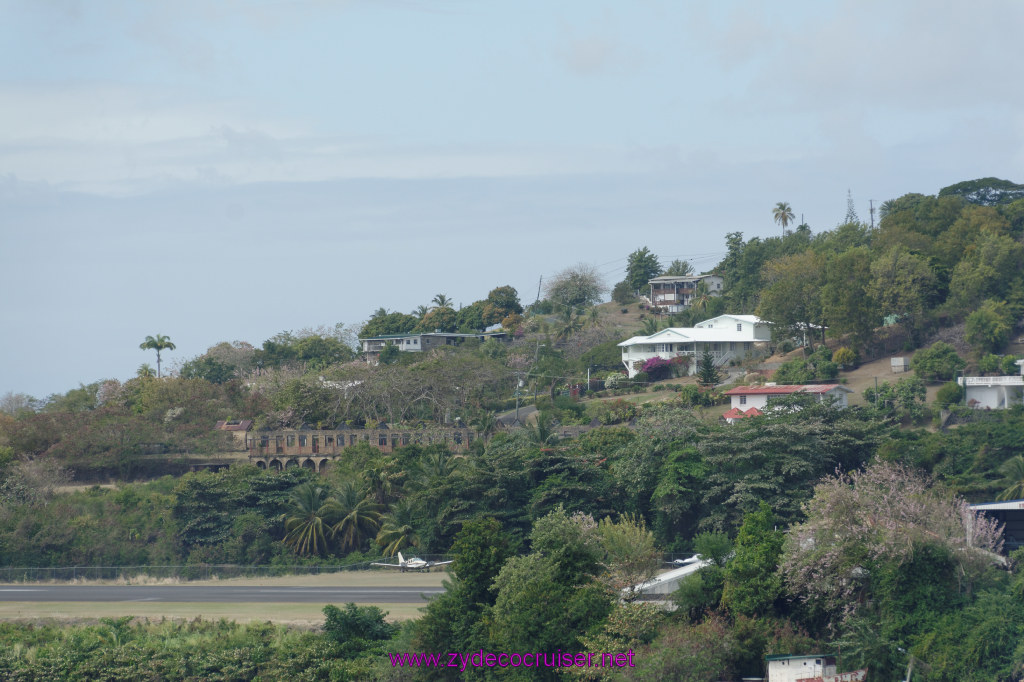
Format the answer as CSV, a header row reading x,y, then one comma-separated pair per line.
x,y
358,516
783,215
1013,469
421,311
397,531
701,296
145,371
305,523
441,301
157,343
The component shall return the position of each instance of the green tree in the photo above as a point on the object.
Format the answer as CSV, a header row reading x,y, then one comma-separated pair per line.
x,y
679,268
396,529
782,214
707,373
939,361
307,523
157,343
902,283
988,328
641,267
355,517
752,581
846,306
441,301
1013,471
791,299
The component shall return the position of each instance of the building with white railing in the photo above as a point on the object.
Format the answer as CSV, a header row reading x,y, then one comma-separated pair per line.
x,y
994,393
727,337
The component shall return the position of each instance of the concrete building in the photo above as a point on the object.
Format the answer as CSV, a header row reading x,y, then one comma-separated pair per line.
x,y
414,342
674,293
794,668
727,337
745,397
994,393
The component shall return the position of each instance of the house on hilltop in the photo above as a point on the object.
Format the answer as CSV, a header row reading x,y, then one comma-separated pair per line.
x,y
674,293
415,342
727,337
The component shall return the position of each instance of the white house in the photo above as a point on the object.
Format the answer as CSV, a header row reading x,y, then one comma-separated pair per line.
x,y
994,393
416,342
745,397
673,293
808,667
726,337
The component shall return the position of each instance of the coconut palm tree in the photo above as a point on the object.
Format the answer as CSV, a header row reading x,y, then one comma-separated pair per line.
x,y
145,371
1013,469
307,522
441,301
397,531
701,296
421,311
358,517
157,343
783,215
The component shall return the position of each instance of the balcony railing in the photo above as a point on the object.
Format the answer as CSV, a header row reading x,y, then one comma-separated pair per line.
x,y
991,381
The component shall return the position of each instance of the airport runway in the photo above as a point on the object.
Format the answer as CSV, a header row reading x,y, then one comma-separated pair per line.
x,y
214,594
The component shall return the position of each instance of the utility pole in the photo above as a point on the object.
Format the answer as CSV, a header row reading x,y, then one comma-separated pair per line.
x,y
538,288
871,203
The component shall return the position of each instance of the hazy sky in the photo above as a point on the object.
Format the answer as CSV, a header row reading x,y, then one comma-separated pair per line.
x,y
227,170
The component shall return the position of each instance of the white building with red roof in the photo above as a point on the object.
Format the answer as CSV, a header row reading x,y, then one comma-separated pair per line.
x,y
745,397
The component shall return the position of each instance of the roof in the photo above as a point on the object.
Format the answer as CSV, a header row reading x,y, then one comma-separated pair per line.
x,y
785,657
411,334
689,335
752,319
235,425
786,390
680,278
737,413
668,576
999,506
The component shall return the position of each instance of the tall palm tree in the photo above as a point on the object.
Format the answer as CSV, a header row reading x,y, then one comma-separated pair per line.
x,y
441,301
358,517
701,296
421,311
307,522
157,343
783,215
1013,469
397,531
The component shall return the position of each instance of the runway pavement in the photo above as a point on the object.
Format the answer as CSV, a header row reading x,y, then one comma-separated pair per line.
x,y
215,594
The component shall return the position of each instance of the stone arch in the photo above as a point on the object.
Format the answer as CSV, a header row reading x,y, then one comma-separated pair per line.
x,y
291,463
325,465
275,464
309,464
260,464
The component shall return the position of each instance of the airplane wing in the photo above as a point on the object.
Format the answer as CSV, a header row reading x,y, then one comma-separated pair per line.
x,y
439,563
386,565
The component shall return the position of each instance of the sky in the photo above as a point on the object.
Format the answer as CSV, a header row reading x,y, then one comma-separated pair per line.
x,y
221,171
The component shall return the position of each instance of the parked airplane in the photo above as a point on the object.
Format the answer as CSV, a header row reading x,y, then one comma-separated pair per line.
x,y
684,562
412,564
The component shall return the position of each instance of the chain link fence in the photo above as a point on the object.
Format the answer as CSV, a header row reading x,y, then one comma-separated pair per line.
x,y
23,574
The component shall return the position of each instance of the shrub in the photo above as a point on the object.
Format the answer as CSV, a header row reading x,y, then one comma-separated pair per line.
x,y
657,369
940,361
786,346
950,394
1009,365
845,357
989,364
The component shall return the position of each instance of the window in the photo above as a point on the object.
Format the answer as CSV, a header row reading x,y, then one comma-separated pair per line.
x,y
739,326
302,441
382,439
264,441
732,345
458,438
663,348
352,439
291,441
328,441
405,439
746,345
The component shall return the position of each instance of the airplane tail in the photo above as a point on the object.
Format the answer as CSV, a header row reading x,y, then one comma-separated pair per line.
x,y
401,559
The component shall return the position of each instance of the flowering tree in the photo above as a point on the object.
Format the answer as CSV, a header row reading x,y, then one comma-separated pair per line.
x,y
879,517
657,368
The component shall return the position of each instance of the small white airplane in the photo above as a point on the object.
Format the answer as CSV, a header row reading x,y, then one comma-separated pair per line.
x,y
412,564
684,562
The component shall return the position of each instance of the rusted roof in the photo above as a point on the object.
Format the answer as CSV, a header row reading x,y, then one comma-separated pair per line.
x,y
234,425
